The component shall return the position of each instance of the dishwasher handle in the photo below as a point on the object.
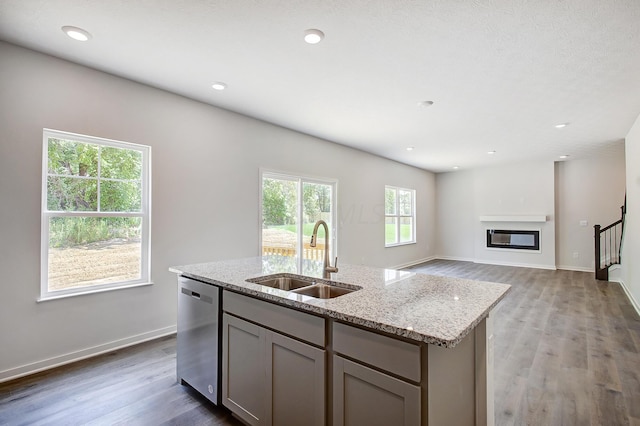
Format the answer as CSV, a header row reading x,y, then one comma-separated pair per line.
x,y
196,295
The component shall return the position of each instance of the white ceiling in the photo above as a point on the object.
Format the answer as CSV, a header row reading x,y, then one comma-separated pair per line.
x,y
501,73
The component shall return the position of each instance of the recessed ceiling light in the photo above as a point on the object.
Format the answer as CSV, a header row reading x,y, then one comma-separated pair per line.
x,y
410,148
76,33
561,125
425,104
491,152
219,86
313,36
455,167
564,156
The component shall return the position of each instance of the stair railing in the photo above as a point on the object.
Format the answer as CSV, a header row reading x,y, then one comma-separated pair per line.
x,y
608,245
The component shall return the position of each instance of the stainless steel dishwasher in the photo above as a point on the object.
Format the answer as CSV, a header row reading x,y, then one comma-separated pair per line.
x,y
199,337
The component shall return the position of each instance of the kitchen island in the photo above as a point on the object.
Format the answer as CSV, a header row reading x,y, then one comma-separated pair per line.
x,y
404,348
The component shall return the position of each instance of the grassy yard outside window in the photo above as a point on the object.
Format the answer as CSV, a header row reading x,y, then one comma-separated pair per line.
x,y
95,214
400,216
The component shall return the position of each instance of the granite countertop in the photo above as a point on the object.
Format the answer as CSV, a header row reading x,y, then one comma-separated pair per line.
x,y
425,308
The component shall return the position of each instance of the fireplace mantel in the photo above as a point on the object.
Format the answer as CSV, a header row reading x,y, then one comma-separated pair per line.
x,y
528,218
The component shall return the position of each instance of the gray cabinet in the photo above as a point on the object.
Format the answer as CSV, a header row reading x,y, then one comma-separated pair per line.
x,y
267,377
274,372
295,382
363,396
243,369
373,396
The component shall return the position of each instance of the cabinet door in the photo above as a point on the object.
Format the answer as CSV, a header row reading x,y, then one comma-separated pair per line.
x,y
243,369
295,382
362,396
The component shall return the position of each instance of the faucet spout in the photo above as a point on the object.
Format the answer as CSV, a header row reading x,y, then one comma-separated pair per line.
x,y
327,268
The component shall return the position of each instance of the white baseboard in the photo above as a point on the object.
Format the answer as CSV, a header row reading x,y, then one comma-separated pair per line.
x,y
575,268
615,273
46,364
413,263
633,301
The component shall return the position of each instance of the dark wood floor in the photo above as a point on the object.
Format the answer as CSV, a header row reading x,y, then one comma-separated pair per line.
x,y
567,352
132,386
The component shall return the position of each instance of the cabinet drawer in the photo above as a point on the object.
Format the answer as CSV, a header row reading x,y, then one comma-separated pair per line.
x,y
300,325
392,355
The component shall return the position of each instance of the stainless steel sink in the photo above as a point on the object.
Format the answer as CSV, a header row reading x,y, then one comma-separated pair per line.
x,y
283,283
323,291
305,286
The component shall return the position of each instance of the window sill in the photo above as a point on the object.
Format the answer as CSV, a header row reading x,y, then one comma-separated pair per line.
x,y
90,291
400,244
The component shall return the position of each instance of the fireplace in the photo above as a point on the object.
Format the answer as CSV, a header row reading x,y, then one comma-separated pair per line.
x,y
513,239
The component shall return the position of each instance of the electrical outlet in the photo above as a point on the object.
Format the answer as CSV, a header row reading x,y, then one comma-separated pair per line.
x,y
583,223
576,255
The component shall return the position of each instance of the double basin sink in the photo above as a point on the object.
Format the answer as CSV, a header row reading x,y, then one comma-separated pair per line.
x,y
305,286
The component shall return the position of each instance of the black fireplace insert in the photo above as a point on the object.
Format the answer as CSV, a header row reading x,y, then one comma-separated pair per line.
x,y
513,239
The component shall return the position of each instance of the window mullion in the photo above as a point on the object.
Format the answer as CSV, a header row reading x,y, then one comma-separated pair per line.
x,y
99,183
397,215
300,207
82,213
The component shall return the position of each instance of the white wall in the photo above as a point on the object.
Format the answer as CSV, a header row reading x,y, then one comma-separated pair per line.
x,y
205,166
589,189
631,244
518,189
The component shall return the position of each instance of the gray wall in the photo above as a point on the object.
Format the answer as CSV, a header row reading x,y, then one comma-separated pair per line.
x,y
631,244
592,190
205,168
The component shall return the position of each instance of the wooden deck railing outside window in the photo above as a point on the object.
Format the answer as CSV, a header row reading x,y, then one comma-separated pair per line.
x,y
313,253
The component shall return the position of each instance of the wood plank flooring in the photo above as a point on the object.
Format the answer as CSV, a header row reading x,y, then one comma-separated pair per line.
x,y
567,347
132,386
567,352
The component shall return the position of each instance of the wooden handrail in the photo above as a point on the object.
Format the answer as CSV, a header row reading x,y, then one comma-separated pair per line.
x,y
606,228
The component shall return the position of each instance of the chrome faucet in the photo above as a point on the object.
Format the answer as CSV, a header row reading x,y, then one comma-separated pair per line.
x,y
328,269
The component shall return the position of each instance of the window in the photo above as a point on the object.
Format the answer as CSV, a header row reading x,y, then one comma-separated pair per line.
x,y
290,207
399,216
95,214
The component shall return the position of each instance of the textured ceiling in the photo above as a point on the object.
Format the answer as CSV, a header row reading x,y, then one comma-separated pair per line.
x,y
501,73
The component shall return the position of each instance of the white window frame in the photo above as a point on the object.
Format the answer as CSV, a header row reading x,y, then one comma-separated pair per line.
x,y
144,214
398,216
333,232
